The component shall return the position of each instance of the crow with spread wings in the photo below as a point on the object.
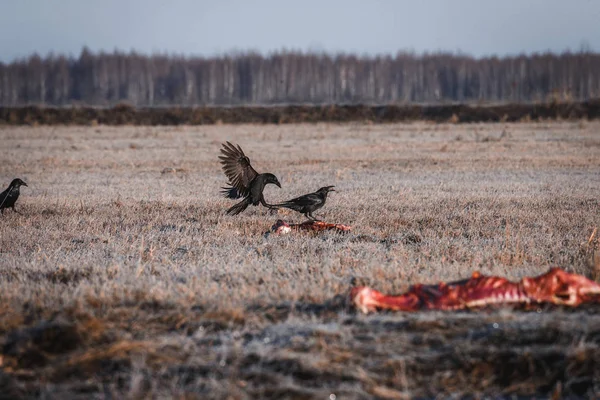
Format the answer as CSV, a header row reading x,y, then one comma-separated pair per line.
x,y
244,180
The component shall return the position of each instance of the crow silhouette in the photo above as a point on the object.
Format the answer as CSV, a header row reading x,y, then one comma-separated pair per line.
x,y
244,180
309,202
9,197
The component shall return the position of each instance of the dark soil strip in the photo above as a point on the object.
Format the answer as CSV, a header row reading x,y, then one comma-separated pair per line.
x,y
456,113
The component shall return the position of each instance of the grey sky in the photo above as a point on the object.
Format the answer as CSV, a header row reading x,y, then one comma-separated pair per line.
x,y
477,27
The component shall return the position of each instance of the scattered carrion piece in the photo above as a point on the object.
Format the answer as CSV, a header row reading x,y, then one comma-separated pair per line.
x,y
556,287
281,227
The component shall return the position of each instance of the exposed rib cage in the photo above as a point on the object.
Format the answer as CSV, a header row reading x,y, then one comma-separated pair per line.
x,y
554,287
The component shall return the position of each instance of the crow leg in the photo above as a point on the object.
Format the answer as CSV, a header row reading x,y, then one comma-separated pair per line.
x,y
264,203
313,217
271,208
15,210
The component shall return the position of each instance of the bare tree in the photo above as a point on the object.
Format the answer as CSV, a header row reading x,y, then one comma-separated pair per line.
x,y
296,77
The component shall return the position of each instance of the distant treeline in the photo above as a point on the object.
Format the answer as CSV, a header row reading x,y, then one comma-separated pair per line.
x,y
454,113
296,78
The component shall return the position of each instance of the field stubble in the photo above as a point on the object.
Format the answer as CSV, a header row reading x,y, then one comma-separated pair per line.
x,y
124,277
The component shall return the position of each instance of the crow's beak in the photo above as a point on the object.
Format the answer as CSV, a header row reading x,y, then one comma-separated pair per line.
x,y
24,184
278,184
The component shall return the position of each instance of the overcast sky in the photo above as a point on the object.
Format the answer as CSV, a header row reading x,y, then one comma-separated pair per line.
x,y
194,27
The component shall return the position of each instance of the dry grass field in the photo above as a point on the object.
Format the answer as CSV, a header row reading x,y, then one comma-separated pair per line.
x,y
124,278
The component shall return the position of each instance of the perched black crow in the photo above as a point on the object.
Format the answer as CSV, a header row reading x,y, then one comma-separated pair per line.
x,y
9,197
309,202
244,180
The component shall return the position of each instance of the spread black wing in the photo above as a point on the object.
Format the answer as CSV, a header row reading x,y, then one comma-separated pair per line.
x,y
238,170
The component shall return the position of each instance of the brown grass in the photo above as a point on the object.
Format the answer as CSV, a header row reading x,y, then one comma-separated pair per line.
x,y
124,277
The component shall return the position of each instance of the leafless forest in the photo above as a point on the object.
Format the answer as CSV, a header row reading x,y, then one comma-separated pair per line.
x,y
123,277
106,79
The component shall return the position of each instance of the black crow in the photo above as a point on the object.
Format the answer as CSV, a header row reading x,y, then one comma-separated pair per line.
x,y
9,197
309,202
244,180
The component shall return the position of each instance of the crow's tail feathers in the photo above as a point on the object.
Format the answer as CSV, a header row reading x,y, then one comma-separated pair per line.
x,y
286,204
230,192
239,207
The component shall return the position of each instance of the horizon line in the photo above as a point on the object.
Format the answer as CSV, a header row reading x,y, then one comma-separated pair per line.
x,y
316,52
